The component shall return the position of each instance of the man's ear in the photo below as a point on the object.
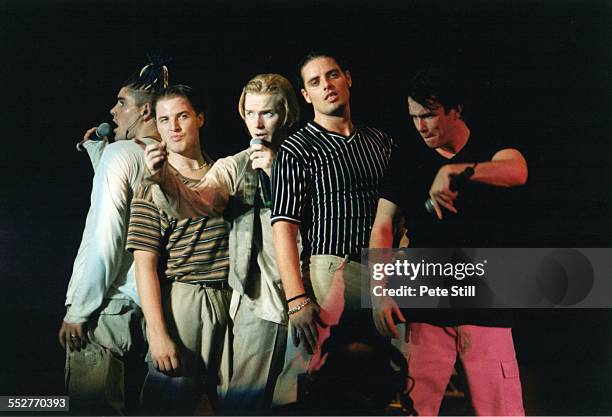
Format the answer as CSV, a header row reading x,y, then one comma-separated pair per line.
x,y
145,112
458,111
306,96
347,74
201,120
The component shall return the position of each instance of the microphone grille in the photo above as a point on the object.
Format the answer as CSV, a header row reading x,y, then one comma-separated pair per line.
x,y
256,141
103,130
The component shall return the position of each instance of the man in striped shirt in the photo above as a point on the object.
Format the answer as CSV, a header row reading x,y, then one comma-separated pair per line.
x,y
181,273
325,183
269,107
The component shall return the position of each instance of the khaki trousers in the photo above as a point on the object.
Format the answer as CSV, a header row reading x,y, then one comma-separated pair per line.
x,y
259,351
198,321
106,376
336,285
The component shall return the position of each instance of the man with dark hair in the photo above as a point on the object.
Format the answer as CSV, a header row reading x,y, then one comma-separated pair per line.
x,y
233,186
102,330
181,271
464,217
325,182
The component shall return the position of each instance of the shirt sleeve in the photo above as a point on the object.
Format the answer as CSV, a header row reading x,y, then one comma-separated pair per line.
x,y
394,185
95,150
101,253
289,188
145,231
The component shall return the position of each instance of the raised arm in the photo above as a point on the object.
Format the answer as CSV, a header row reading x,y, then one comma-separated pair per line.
x,y
101,256
94,148
208,197
507,168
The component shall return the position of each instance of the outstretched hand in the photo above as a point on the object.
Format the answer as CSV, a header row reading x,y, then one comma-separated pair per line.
x,y
155,155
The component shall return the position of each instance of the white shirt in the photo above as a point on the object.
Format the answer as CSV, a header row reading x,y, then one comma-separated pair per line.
x,y
103,268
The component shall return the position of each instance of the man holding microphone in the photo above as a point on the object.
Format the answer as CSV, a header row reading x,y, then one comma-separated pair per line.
x,y
102,330
238,187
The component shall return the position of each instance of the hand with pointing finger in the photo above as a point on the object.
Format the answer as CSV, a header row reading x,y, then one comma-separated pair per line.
x,y
440,191
155,155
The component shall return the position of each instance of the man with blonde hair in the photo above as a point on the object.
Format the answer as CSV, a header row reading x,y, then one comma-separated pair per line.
x,y
235,185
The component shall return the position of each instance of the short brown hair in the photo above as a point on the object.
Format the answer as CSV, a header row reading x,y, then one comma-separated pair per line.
x,y
277,85
183,91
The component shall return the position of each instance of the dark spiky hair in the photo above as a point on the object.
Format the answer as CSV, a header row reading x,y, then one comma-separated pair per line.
x,y
151,78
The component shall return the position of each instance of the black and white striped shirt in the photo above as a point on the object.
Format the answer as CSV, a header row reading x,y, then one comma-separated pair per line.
x,y
328,184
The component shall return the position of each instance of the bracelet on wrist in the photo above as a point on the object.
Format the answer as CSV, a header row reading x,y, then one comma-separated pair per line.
x,y
300,306
296,297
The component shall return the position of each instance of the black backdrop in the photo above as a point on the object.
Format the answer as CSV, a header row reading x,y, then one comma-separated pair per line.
x,y
544,69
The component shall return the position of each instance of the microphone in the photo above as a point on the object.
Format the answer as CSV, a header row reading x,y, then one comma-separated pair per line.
x,y
101,131
264,180
456,182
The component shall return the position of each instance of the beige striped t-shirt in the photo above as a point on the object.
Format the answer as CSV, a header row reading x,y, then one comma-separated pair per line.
x,y
193,249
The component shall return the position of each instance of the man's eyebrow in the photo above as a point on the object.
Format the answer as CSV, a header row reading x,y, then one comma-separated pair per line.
x,y
262,111
312,79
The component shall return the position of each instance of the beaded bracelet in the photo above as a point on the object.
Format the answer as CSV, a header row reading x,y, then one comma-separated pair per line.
x,y
300,306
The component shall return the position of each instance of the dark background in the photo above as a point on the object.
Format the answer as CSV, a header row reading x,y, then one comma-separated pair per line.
x,y
543,72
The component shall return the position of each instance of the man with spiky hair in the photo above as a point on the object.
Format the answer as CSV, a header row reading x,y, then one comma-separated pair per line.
x,y
102,330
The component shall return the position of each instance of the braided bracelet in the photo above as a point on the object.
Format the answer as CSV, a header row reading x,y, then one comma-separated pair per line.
x,y
298,307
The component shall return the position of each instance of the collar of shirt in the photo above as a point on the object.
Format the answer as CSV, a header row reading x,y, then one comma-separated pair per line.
x,y
354,134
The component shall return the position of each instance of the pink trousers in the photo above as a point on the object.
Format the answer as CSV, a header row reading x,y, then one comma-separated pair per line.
x,y
488,358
